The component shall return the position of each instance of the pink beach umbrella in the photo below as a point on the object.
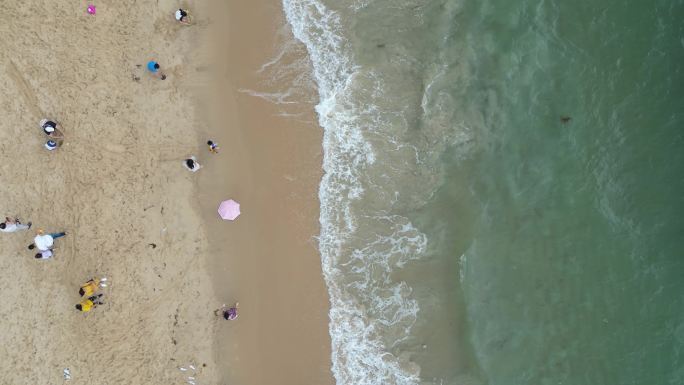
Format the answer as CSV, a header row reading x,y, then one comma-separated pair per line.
x,y
91,9
229,209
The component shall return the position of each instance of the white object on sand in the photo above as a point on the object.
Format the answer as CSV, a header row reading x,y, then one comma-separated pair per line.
x,y
229,209
67,374
43,242
192,367
183,369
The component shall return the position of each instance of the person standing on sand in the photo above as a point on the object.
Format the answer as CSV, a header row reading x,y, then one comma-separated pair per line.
x,y
11,225
90,303
192,164
155,69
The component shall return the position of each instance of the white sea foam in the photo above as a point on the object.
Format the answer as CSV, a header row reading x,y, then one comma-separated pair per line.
x,y
375,165
369,312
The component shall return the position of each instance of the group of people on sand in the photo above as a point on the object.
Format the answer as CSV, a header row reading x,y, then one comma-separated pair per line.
x,y
54,135
44,242
89,291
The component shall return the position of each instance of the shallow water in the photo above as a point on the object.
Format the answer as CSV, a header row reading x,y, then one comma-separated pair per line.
x,y
468,236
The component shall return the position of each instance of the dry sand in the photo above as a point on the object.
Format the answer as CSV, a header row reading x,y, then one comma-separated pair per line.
x,y
132,212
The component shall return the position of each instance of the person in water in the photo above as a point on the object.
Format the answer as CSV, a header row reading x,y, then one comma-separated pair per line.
x,y
192,164
90,303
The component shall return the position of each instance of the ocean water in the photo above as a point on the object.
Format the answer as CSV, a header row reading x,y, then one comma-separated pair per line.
x,y
468,235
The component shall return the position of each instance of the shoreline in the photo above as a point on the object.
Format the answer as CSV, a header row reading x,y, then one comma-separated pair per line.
x,y
268,258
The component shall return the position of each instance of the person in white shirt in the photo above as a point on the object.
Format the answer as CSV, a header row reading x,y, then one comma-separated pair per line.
x,y
11,225
182,16
45,241
46,254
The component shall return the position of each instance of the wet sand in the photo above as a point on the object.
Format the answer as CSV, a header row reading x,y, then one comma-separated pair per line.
x,y
267,259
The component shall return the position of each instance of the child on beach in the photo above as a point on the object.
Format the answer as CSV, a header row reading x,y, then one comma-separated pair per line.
x,y
155,70
228,313
11,225
192,164
182,16
213,147
89,288
90,303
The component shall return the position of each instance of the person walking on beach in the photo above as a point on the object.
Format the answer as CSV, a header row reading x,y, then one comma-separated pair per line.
x,y
213,147
182,16
192,164
89,303
11,225
89,288
155,69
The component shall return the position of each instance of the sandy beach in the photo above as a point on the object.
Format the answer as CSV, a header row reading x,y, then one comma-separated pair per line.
x,y
268,258
132,213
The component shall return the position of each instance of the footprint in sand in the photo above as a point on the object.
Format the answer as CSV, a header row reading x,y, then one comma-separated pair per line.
x,y
116,148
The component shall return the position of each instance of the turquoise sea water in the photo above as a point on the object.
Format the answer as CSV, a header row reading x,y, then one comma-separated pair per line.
x,y
468,236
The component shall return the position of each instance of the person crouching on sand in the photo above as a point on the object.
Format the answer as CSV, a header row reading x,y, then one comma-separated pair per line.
x,y
90,303
54,134
46,254
228,313
42,254
192,164
89,288
155,69
182,16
